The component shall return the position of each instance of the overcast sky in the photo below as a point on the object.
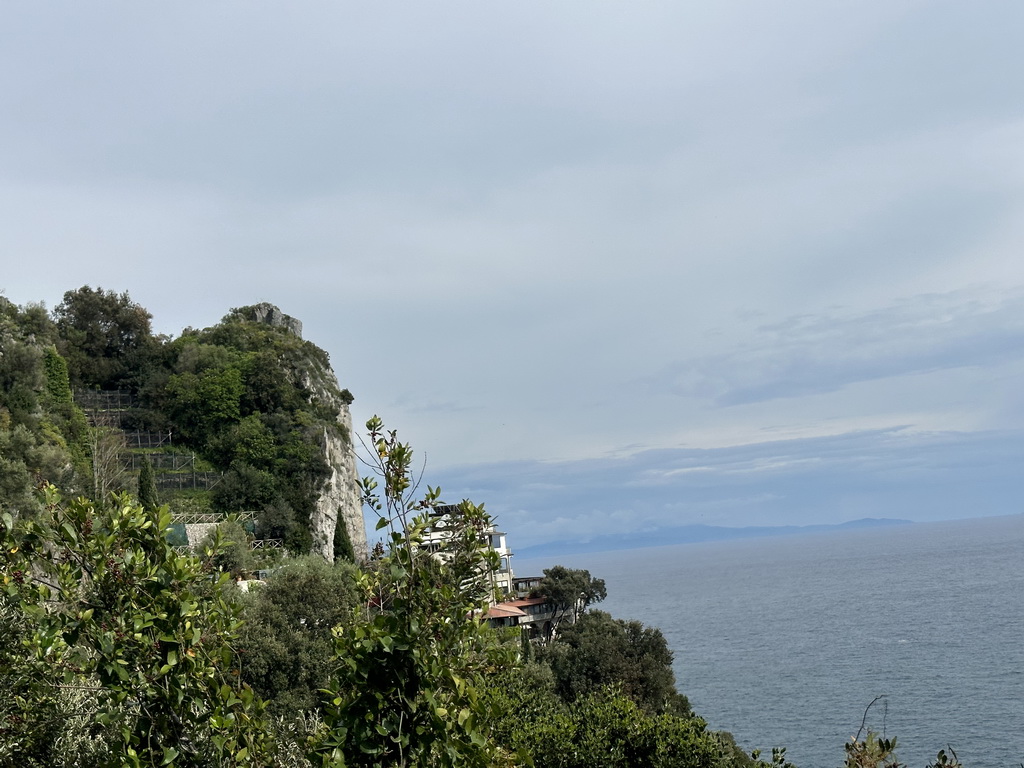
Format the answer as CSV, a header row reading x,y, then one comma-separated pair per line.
x,y
608,265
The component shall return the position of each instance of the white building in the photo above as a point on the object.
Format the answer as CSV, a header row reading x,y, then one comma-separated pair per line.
x,y
439,534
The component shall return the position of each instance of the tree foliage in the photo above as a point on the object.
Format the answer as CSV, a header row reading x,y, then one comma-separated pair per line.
x,y
148,497
570,591
598,651
407,692
605,727
121,640
43,437
105,337
232,554
286,646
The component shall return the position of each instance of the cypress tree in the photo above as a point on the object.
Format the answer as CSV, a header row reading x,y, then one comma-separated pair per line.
x,y
342,544
148,499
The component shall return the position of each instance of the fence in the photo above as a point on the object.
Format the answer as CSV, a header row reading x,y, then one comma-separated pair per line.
x,y
164,461
180,481
147,439
105,408
105,400
200,518
267,544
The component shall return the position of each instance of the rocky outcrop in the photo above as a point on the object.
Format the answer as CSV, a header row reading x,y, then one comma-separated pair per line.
x,y
339,502
339,496
268,314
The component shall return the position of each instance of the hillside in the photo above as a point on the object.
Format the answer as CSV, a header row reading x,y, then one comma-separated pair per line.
x,y
242,417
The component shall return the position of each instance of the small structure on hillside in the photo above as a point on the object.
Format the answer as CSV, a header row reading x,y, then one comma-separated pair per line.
x,y
523,586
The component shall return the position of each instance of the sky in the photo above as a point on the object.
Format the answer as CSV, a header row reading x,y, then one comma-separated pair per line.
x,y
608,267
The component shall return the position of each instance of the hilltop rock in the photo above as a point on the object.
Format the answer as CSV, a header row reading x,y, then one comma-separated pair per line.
x,y
268,314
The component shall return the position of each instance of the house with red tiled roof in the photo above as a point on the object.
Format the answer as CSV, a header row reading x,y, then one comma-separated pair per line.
x,y
534,614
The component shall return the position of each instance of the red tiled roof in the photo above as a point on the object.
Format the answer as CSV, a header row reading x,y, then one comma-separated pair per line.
x,y
527,601
503,610
513,607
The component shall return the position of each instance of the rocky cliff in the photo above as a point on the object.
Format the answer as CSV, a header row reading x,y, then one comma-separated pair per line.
x,y
339,502
339,497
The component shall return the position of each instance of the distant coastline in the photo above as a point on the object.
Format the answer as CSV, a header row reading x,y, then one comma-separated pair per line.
x,y
691,534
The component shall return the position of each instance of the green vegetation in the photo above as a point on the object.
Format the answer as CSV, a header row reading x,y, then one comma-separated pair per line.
x,y
286,645
43,437
570,591
407,689
105,338
605,728
148,497
599,651
120,649
253,402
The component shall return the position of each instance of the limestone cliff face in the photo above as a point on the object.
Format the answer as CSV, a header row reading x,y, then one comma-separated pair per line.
x,y
339,499
339,502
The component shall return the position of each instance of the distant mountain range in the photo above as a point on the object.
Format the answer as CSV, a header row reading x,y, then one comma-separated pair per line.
x,y
690,534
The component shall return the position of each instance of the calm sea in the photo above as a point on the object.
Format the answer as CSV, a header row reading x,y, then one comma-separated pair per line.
x,y
785,641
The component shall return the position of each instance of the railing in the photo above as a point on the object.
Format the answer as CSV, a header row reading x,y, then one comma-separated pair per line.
x,y
170,481
197,518
105,400
267,544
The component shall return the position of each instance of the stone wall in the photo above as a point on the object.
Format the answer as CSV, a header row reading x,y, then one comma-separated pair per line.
x,y
196,532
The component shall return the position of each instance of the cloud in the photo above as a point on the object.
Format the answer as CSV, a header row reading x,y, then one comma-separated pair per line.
x,y
811,354
896,473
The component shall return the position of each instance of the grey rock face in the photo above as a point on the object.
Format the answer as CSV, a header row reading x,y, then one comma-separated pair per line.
x,y
268,314
339,502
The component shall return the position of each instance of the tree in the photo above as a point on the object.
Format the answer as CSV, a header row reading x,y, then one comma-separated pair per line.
x,y
40,438
124,643
202,405
286,646
107,451
599,650
105,337
232,554
407,692
570,591
604,728
61,415
148,497
342,542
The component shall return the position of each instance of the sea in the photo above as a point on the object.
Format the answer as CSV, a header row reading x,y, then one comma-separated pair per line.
x,y
786,641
